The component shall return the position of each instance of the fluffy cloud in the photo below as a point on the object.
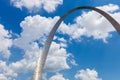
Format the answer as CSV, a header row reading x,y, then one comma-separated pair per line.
x,y
25,65
58,77
5,42
57,57
34,28
87,75
2,77
92,24
35,5
109,7
34,31
5,72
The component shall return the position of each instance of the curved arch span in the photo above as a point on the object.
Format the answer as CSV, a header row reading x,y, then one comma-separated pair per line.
x,y
41,61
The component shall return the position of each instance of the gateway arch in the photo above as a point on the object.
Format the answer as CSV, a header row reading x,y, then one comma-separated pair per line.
x,y
42,58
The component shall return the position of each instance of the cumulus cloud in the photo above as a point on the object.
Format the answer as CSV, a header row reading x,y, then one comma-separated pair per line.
x,y
2,77
34,28
109,7
25,65
6,73
58,77
92,24
34,32
87,75
57,57
35,5
5,42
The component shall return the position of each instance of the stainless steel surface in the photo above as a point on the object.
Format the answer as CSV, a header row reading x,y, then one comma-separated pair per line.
x,y
42,58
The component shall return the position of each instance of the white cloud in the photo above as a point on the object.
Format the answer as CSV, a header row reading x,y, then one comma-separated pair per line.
x,y
50,5
92,24
57,57
58,77
87,75
25,65
36,28
73,62
109,7
62,41
5,72
2,77
5,42
35,5
28,62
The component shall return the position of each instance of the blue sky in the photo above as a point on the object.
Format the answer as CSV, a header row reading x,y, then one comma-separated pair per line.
x,y
85,47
